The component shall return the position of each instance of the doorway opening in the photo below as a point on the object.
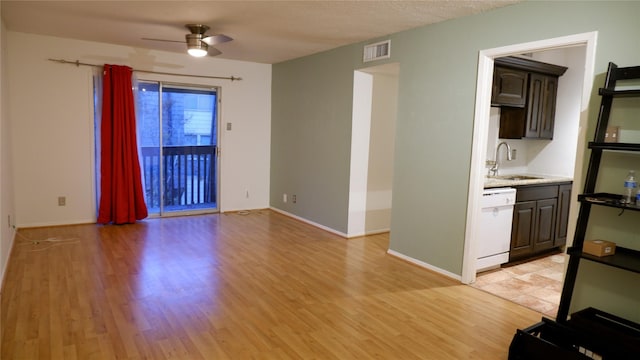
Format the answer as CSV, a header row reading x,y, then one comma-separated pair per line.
x,y
178,137
375,99
481,130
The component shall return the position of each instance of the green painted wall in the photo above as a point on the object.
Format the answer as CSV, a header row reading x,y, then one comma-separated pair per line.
x,y
311,136
311,119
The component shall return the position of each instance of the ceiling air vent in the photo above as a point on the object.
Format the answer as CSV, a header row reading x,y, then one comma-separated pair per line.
x,y
379,50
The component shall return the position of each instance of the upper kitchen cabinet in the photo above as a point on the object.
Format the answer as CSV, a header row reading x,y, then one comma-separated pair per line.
x,y
525,90
509,87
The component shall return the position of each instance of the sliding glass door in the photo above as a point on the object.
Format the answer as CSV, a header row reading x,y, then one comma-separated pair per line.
x,y
178,132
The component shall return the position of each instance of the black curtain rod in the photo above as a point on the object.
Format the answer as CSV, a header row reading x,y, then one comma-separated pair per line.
x,y
78,63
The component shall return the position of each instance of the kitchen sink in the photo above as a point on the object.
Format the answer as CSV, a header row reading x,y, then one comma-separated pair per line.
x,y
516,177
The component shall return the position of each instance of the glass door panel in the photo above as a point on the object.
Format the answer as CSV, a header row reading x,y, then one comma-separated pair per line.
x,y
180,175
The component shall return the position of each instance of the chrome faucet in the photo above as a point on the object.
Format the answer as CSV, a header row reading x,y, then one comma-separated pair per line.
x,y
493,171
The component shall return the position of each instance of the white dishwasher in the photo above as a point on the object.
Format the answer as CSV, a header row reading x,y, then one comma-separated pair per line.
x,y
494,238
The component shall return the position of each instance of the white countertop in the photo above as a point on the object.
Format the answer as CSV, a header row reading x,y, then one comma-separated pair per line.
x,y
500,181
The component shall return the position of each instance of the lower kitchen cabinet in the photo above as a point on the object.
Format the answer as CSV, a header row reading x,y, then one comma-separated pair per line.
x,y
562,224
545,229
533,227
540,218
522,229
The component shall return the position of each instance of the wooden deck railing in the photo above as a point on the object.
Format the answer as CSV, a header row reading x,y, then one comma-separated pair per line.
x,y
188,173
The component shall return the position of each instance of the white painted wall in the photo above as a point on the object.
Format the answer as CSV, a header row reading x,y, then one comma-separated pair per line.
x,y
375,106
7,231
360,133
548,157
384,113
52,117
520,163
558,157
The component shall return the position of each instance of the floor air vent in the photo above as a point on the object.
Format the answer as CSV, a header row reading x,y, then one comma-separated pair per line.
x,y
380,50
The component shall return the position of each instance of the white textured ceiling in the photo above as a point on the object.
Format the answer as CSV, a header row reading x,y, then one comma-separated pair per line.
x,y
263,31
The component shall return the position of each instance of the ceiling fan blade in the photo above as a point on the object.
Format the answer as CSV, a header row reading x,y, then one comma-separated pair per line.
x,y
214,52
164,40
216,39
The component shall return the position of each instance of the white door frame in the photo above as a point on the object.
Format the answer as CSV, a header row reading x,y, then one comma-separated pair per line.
x,y
481,126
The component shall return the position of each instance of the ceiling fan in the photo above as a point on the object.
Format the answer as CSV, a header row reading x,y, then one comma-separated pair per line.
x,y
198,43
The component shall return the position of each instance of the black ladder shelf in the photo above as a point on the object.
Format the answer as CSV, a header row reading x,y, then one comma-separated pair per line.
x,y
590,331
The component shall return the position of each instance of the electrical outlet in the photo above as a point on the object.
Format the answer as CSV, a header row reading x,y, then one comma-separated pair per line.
x,y
62,200
284,198
228,126
293,199
247,193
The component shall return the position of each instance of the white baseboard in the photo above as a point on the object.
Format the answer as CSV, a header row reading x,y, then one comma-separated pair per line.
x,y
6,264
425,265
367,233
325,228
372,232
56,223
376,232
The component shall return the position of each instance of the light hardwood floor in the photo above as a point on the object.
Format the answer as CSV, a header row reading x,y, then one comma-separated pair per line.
x,y
232,286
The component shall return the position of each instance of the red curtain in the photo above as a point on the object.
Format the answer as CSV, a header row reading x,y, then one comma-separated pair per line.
x,y
121,195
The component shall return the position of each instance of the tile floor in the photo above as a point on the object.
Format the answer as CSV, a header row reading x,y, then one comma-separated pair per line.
x,y
536,284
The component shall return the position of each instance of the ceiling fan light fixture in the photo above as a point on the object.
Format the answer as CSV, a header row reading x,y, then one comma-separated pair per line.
x,y
197,52
195,46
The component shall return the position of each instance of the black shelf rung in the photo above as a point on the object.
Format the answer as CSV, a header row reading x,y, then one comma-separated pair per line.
x,y
607,199
589,329
614,146
624,258
619,93
595,320
616,337
626,73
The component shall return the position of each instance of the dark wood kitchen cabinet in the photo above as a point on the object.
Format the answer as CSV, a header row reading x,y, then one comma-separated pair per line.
x,y
540,215
533,228
562,224
522,230
526,92
509,87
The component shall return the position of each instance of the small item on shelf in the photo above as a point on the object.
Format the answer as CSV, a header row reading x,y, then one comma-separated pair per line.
x,y
630,185
603,198
612,134
599,247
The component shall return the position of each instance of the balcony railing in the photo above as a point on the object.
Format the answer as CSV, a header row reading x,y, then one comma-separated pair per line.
x,y
188,176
